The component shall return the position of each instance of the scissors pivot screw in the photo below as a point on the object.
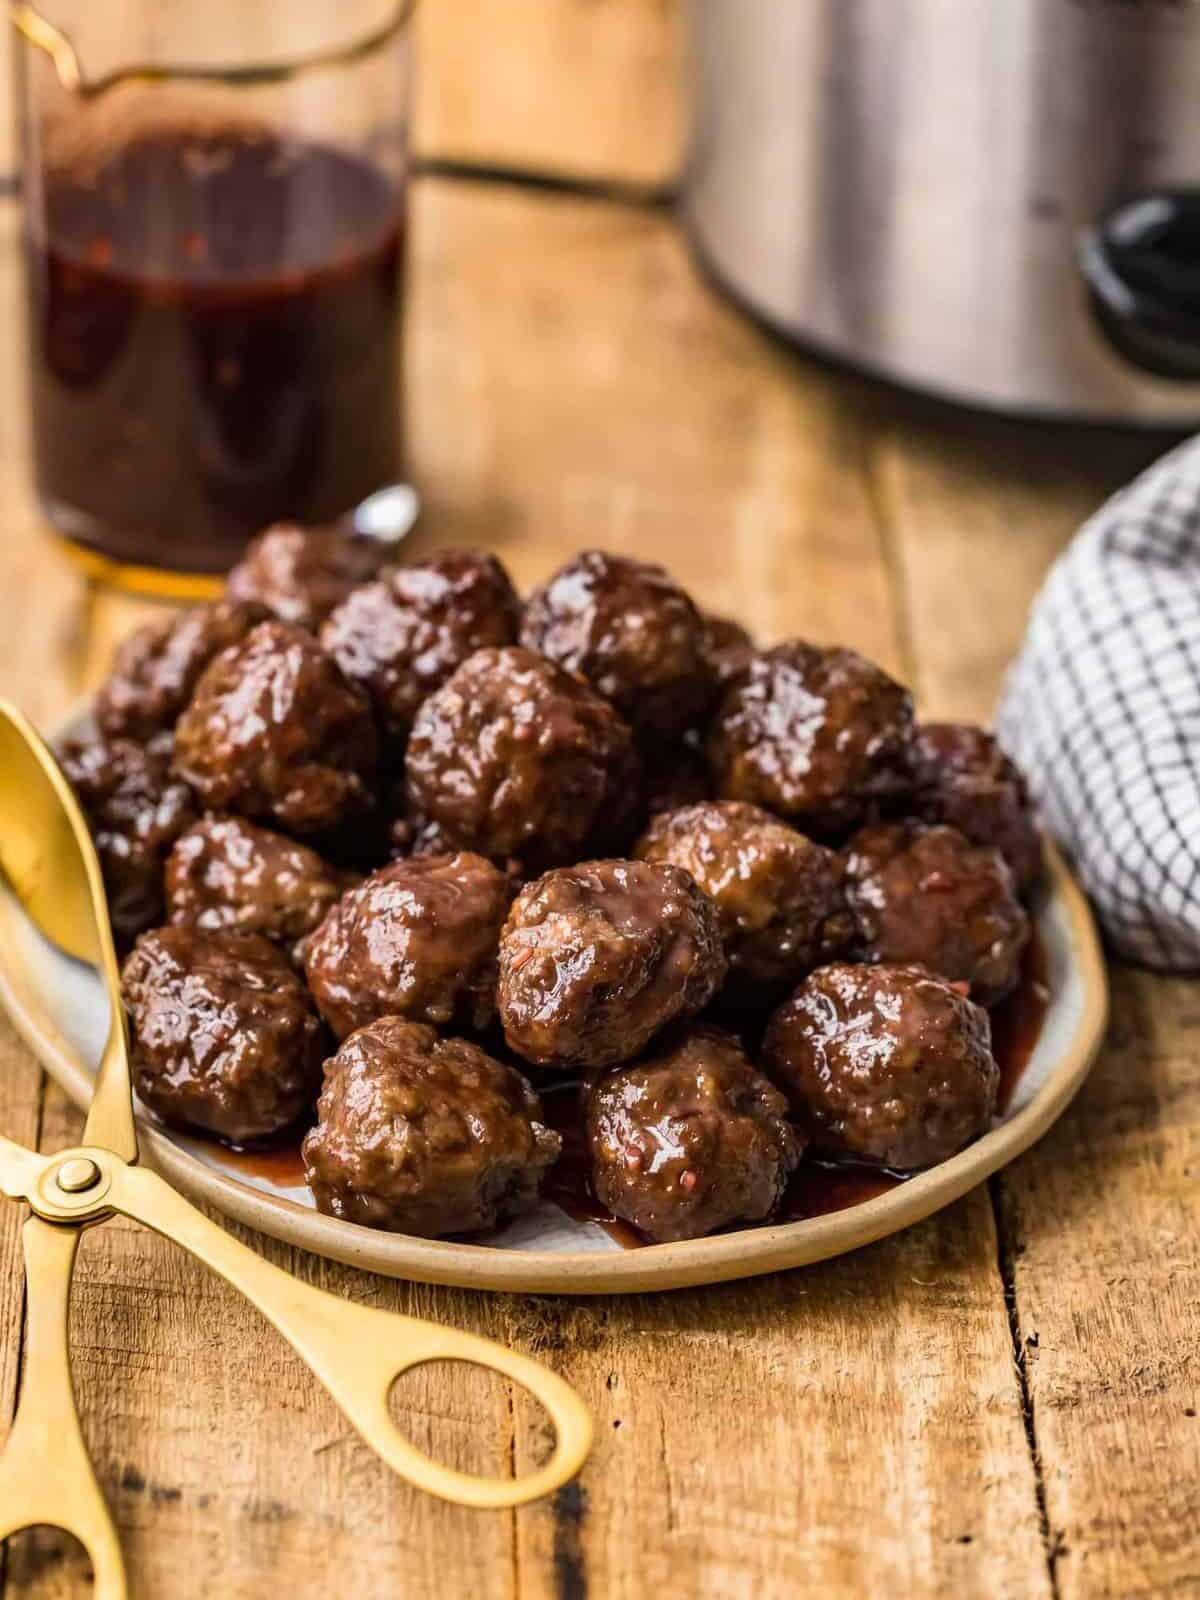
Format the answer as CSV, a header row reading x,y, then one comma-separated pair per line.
x,y
77,1175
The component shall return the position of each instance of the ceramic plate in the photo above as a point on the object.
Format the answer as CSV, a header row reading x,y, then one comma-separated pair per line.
x,y
59,1008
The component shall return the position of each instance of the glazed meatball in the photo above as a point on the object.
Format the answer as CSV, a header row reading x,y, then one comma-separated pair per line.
x,y
425,1135
155,670
273,730
779,896
819,736
730,648
401,637
135,811
887,1065
963,778
689,1139
223,1035
629,630
416,939
595,959
926,894
300,574
225,872
515,757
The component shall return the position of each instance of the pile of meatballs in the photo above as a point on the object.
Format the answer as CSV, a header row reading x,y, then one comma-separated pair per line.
x,y
391,850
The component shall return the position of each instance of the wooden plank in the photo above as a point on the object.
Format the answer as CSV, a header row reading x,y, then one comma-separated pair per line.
x,y
572,383
1100,1224
849,1429
1097,1224
577,88
975,509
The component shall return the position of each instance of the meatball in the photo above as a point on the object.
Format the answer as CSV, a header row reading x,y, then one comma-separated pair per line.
x,y
730,648
417,939
425,1135
225,872
596,958
135,811
301,574
778,895
819,736
401,637
963,778
223,1035
689,1139
924,893
887,1065
629,630
515,757
273,730
156,668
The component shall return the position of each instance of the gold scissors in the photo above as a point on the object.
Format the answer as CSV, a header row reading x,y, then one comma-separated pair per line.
x,y
46,1476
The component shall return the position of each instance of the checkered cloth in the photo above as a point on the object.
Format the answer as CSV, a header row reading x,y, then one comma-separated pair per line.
x,y
1102,711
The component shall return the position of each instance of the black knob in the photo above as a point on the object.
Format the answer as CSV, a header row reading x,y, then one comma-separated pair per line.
x,y
1142,266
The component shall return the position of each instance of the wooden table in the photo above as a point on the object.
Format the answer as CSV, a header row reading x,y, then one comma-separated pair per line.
x,y
1000,1402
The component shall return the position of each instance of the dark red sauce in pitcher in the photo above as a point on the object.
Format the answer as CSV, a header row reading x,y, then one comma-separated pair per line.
x,y
214,319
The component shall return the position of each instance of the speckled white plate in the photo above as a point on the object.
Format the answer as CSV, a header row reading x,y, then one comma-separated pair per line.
x,y
60,1010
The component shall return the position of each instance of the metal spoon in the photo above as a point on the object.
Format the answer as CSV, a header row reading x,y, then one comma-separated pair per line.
x,y
387,515
47,856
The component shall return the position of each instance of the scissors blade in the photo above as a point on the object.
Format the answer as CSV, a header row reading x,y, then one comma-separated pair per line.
x,y
110,1123
20,1170
47,855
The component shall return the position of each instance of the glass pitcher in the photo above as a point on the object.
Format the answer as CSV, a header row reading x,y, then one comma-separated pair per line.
x,y
214,227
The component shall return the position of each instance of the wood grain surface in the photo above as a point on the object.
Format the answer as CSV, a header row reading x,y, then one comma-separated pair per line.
x,y
1001,1401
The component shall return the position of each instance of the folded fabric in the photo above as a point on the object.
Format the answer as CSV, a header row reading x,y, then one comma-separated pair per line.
x,y
1102,711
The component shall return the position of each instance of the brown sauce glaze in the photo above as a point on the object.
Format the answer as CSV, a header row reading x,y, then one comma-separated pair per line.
x,y
277,1161
280,1164
1017,1022
816,1188
568,1184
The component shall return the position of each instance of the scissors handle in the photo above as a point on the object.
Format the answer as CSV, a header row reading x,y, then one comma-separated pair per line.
x,y
358,1352
46,1476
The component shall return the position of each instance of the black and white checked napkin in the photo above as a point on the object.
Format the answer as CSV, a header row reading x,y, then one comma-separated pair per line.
x,y
1102,711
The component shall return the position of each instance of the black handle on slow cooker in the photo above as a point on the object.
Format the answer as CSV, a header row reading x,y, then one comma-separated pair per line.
x,y
1142,266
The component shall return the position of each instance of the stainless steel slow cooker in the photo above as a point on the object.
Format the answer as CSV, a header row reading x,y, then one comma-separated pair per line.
x,y
996,200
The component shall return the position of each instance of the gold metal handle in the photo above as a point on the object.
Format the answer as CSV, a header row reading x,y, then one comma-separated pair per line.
x,y
358,1352
46,1476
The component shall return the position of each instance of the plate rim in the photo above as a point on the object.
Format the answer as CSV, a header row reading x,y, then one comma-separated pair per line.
x,y
719,1258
